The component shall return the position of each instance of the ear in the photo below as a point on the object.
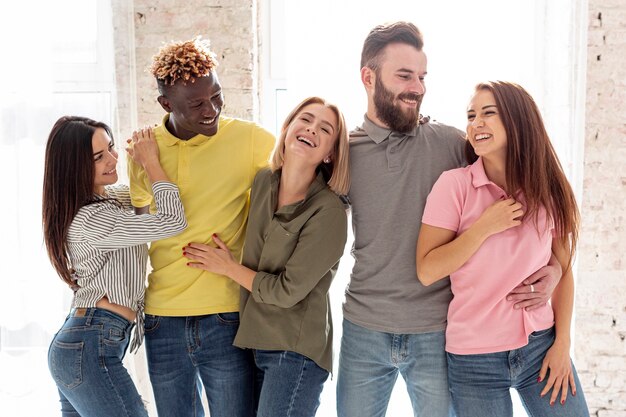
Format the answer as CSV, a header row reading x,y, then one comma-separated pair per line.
x,y
165,103
368,77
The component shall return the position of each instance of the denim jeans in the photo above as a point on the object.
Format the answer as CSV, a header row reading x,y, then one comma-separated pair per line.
x,y
290,384
369,364
185,352
85,360
480,383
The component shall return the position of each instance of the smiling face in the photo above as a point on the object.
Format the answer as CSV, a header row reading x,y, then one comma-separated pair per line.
x,y
485,130
399,87
105,160
194,107
311,135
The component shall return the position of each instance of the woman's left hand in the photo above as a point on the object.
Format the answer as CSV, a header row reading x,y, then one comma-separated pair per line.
x,y
561,378
217,260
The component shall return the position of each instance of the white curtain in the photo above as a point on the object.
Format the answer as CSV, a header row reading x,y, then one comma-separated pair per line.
x,y
56,60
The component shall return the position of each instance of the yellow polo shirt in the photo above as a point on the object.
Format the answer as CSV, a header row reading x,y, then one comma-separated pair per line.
x,y
214,175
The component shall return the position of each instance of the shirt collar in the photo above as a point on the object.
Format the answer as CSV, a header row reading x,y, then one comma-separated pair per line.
x,y
379,133
316,186
479,177
170,140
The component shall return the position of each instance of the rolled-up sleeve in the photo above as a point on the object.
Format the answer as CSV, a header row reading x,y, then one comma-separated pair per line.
x,y
111,227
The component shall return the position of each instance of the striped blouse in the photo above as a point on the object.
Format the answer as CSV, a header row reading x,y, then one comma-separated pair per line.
x,y
107,247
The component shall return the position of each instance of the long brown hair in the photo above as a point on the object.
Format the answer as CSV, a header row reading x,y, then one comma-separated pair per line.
x,y
68,184
532,165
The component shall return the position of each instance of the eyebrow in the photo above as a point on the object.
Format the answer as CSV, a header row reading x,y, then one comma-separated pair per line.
x,y
410,71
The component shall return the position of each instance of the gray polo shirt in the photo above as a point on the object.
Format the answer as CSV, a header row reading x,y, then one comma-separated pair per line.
x,y
392,174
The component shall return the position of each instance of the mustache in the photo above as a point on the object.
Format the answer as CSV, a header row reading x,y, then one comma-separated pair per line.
x,y
410,96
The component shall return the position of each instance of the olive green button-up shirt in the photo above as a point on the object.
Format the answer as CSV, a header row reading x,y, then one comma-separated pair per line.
x,y
296,252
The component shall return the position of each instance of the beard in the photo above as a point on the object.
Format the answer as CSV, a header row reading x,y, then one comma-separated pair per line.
x,y
393,115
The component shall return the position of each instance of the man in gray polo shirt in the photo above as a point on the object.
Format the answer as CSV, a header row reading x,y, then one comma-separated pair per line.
x,y
392,323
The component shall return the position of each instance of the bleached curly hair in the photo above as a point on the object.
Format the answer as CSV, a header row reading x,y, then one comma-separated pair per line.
x,y
184,61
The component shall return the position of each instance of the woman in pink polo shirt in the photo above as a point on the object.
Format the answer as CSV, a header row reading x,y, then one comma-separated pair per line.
x,y
489,226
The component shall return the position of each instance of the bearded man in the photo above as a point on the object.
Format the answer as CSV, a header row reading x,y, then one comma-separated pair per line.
x,y
392,323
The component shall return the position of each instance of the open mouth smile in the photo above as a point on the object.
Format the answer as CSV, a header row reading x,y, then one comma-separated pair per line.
x,y
482,136
208,122
306,141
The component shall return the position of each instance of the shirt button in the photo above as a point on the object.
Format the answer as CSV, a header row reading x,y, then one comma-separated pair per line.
x,y
392,150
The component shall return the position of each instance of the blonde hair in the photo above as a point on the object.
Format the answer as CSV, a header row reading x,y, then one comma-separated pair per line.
x,y
338,168
183,60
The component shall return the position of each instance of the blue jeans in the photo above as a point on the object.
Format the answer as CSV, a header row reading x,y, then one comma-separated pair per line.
x,y
85,360
290,384
185,352
369,364
480,383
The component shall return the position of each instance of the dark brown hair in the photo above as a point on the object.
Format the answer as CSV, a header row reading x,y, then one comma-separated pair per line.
x,y
68,184
532,165
383,35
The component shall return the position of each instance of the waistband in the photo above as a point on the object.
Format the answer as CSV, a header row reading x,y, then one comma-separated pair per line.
x,y
89,313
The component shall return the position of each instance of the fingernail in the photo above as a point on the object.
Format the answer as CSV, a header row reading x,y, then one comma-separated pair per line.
x,y
184,253
187,263
539,379
562,402
509,298
516,307
214,235
574,393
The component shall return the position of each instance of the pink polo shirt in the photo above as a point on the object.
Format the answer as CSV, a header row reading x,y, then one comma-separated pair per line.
x,y
480,319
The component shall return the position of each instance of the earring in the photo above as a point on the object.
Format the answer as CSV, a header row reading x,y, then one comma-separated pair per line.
x,y
327,160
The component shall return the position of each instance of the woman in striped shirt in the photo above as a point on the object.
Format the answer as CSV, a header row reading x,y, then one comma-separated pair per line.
x,y
98,246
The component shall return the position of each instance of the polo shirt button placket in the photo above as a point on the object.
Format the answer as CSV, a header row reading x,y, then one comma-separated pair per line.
x,y
393,156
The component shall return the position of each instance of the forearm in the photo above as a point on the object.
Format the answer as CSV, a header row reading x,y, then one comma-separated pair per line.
x,y
155,172
562,305
449,257
241,274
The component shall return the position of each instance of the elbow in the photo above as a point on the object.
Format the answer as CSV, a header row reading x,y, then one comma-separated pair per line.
x,y
182,225
425,277
178,225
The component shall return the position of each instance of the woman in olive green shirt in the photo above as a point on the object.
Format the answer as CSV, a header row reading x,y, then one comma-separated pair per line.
x,y
296,234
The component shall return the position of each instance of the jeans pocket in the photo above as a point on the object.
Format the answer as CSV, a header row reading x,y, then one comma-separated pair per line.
x,y
66,363
541,333
114,336
229,319
151,323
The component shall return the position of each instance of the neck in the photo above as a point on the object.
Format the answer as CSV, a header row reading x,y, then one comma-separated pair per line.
x,y
495,169
170,125
99,190
294,183
371,114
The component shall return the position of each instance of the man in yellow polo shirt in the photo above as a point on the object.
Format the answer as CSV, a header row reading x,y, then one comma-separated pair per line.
x,y
192,315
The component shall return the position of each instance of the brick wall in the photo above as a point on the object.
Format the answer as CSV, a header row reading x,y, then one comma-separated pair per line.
x,y
143,26
601,284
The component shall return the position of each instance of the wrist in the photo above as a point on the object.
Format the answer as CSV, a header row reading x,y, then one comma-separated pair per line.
x,y
563,340
151,164
479,232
